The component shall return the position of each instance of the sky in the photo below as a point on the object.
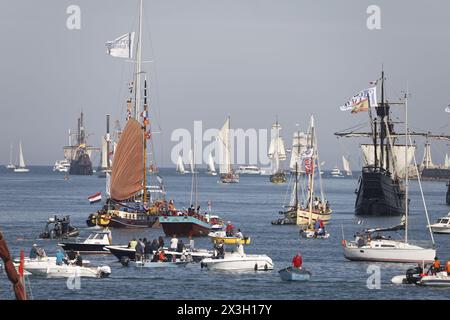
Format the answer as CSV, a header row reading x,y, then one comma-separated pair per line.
x,y
254,60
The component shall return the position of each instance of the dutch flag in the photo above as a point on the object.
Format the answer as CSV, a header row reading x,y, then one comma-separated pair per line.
x,y
95,198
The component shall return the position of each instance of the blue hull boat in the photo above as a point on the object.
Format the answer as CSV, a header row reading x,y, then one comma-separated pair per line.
x,y
294,274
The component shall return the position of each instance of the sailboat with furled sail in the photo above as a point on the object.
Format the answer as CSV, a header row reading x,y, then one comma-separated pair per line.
x,y
131,204
227,174
277,153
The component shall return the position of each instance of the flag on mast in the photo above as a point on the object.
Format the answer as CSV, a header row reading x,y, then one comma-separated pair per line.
x,y
122,47
360,101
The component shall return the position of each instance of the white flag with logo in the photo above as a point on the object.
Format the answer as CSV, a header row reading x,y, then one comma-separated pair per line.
x,y
122,47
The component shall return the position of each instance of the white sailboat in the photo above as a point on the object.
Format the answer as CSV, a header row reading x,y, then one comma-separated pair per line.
x,y
10,165
191,161
382,249
299,144
21,167
211,166
180,166
277,153
346,166
227,174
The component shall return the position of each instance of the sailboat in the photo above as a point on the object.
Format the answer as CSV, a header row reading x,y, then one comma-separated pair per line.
x,y
180,166
211,165
380,191
191,161
315,208
346,166
277,153
227,174
21,167
382,249
299,144
130,204
10,165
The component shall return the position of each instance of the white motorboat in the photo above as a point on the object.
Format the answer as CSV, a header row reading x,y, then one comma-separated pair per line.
x,y
442,225
62,165
70,270
249,170
93,244
239,261
40,265
336,173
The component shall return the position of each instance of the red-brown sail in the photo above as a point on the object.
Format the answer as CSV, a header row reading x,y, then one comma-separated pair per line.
x,y
128,164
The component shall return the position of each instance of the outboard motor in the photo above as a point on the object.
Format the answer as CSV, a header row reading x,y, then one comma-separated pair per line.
x,y
105,271
125,261
413,275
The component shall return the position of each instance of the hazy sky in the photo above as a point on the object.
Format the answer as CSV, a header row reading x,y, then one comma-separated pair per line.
x,y
250,59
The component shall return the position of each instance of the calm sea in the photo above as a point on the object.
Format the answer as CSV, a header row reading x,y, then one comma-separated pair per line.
x,y
29,199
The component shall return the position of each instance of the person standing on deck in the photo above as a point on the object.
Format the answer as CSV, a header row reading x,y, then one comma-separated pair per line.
x,y
297,261
174,243
229,229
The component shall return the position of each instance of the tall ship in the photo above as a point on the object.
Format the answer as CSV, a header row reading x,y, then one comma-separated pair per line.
x,y
277,153
299,144
133,201
431,171
80,153
380,190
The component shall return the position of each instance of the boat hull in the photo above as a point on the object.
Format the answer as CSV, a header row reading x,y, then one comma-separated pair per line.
x,y
184,226
169,264
448,193
21,170
229,178
81,166
85,248
379,195
278,178
304,217
294,274
239,263
441,279
131,220
418,255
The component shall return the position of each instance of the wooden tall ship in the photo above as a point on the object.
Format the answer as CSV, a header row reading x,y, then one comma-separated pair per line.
x,y
79,154
277,153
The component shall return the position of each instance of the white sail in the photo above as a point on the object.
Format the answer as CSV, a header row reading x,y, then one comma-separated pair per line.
x,y
446,161
346,166
180,165
397,164
277,151
21,160
108,184
211,166
299,144
191,161
224,148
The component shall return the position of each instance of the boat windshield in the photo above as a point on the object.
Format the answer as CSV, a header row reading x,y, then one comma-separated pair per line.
x,y
443,221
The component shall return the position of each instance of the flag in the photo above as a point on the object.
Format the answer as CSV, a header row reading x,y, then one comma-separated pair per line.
x,y
307,160
97,197
447,109
360,101
122,47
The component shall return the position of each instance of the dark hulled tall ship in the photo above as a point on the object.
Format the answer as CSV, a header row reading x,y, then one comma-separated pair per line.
x,y
380,191
80,153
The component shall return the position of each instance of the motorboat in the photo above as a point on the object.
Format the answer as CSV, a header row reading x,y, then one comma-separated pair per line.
x,y
442,225
295,274
70,270
159,264
123,253
93,244
440,279
62,166
418,277
59,228
313,234
40,265
238,261
336,173
221,236
249,170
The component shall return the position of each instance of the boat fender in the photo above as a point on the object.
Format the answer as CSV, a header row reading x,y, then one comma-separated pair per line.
x,y
256,267
125,261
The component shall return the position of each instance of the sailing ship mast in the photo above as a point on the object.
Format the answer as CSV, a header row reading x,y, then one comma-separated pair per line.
x,y
311,175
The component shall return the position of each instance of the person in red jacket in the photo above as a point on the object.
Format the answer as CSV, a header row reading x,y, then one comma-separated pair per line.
x,y
297,261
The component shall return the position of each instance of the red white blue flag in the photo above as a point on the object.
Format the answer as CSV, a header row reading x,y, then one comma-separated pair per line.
x,y
95,198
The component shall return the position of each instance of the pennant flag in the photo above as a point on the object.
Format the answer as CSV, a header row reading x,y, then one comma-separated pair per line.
x,y
360,101
122,47
447,109
95,198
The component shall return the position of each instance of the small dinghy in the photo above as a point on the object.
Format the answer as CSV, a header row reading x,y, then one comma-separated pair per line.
x,y
440,279
294,274
312,234
94,244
